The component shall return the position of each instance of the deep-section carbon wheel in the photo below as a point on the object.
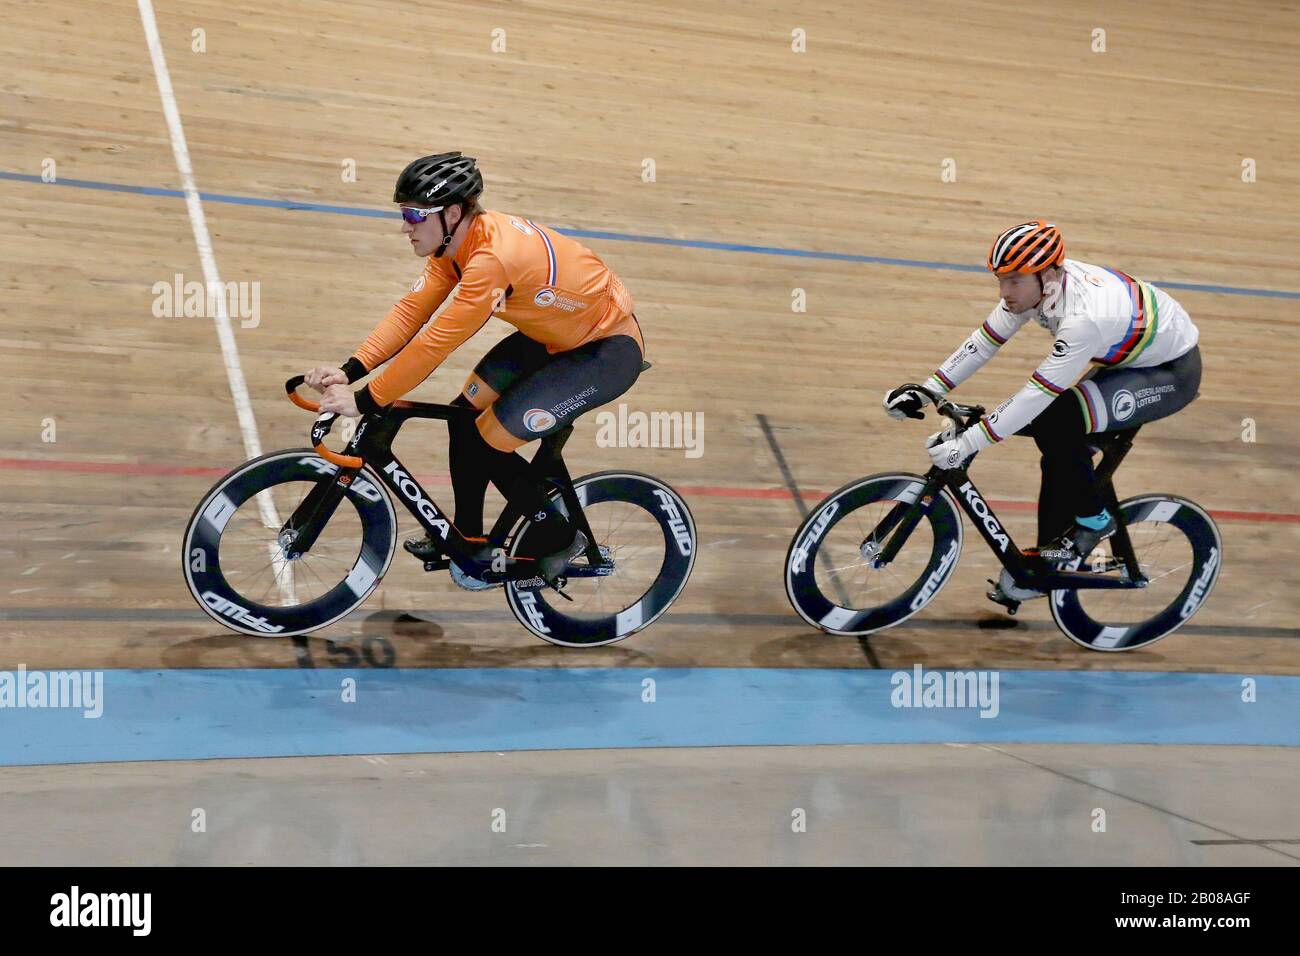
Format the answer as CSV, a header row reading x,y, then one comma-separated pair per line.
x,y
1180,552
831,575
235,564
647,539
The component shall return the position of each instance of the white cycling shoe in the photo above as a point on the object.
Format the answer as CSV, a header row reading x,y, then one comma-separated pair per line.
x,y
463,580
1009,588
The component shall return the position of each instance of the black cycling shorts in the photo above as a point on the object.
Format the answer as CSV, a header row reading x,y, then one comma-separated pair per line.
x,y
527,393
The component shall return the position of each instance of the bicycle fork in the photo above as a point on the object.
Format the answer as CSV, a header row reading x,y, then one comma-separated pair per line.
x,y
900,523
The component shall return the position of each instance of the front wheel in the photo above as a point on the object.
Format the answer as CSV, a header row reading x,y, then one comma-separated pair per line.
x,y
234,550
647,541
832,576
1178,550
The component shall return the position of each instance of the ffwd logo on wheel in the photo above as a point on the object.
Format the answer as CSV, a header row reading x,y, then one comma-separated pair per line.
x,y
799,560
240,614
360,486
528,601
936,578
1202,584
675,523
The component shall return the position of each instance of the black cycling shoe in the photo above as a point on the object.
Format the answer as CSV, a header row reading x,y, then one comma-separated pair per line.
x,y
425,547
551,567
428,549
1078,542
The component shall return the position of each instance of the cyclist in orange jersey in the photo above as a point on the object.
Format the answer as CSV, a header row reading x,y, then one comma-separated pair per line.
x,y
578,345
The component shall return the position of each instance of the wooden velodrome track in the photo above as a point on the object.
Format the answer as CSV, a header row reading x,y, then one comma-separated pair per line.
x,y
1136,152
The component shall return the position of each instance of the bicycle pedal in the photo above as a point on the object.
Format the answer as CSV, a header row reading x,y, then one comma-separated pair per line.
x,y
440,564
558,586
997,597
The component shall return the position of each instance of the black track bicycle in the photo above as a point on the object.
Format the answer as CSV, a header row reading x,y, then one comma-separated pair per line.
x,y
879,549
293,541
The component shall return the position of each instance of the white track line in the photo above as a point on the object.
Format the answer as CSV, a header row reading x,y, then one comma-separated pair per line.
x,y
212,280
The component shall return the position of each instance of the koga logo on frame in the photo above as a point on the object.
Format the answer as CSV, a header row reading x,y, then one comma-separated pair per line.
x,y
982,510
411,491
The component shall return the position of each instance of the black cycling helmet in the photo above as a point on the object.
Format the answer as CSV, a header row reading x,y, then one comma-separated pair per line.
x,y
441,180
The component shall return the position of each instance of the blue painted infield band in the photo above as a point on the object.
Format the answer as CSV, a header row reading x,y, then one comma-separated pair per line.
x,y
203,714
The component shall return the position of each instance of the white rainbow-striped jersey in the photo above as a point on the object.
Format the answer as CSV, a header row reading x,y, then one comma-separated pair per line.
x,y
1101,318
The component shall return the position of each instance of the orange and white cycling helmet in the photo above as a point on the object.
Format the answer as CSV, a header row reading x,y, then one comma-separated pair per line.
x,y
1029,247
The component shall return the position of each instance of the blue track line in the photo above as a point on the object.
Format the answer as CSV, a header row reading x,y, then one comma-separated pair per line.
x,y
612,236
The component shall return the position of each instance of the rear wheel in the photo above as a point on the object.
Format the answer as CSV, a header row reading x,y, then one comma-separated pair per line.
x,y
647,541
1179,551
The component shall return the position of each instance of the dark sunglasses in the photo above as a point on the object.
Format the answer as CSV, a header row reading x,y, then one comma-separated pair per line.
x,y
415,216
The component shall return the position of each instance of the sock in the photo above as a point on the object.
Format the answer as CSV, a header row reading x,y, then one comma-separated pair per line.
x,y
1096,522
467,455
550,530
474,462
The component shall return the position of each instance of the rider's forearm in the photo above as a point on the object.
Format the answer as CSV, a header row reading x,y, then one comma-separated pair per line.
x,y
1057,373
394,331
1012,415
415,363
480,286
425,353
980,346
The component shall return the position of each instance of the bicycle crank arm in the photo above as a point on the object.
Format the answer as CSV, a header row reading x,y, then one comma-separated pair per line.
x,y
602,570
1081,581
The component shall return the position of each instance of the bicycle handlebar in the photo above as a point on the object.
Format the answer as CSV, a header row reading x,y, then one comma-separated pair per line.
x,y
324,422
291,389
952,411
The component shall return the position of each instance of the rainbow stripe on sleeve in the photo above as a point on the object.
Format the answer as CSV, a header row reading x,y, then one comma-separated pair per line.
x,y
1044,385
994,339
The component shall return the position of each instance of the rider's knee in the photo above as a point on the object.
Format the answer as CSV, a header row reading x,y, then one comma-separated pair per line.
x,y
1060,425
462,428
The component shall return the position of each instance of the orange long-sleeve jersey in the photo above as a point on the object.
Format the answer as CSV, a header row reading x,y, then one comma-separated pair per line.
x,y
551,288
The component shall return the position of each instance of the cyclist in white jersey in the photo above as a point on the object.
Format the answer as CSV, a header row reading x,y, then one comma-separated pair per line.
x,y
1124,354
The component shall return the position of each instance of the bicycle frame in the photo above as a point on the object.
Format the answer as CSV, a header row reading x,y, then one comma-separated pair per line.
x,y
371,445
1026,572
